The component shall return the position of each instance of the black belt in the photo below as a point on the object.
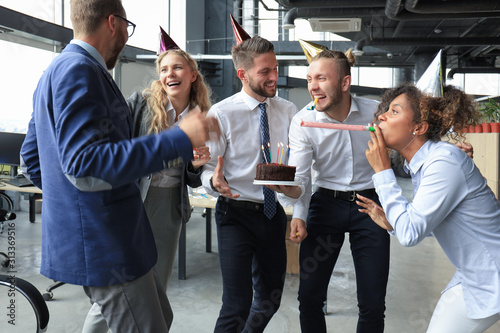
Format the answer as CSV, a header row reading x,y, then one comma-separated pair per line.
x,y
347,196
254,206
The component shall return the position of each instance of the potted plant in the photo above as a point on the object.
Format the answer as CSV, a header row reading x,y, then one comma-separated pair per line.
x,y
490,111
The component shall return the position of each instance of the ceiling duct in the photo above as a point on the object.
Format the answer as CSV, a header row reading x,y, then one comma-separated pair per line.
x,y
331,4
472,41
411,10
458,6
335,25
337,13
472,70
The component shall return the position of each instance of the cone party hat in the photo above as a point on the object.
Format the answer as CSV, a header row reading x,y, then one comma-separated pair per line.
x,y
239,33
431,82
166,43
311,49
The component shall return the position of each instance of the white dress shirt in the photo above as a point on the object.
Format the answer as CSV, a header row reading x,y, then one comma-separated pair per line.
x,y
240,141
453,202
170,177
330,158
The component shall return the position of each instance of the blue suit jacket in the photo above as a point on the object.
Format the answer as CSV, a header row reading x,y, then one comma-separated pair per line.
x,y
79,150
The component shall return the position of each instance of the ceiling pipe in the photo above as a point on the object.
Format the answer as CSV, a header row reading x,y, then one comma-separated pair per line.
x,y
332,4
295,13
472,70
395,10
435,7
440,42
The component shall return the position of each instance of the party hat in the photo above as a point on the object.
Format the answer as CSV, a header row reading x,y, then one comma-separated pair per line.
x,y
431,82
166,43
311,49
239,33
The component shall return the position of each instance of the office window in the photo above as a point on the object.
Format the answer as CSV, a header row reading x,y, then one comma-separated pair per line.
x,y
21,67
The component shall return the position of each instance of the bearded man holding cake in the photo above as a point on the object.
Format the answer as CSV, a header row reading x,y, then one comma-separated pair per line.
x,y
250,221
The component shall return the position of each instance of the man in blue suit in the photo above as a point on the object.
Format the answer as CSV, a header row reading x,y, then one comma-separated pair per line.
x,y
95,231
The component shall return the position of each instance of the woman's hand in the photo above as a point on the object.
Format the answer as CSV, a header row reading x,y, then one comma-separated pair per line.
x,y
201,157
377,154
298,230
376,212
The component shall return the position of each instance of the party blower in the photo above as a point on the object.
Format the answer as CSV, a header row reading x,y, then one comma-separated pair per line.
x,y
337,126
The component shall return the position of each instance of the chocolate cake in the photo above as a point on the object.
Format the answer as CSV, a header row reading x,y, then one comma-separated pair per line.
x,y
273,171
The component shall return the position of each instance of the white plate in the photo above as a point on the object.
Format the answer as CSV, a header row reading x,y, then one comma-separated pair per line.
x,y
276,182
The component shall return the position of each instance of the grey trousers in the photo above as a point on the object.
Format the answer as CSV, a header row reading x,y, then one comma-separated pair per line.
x,y
138,306
164,214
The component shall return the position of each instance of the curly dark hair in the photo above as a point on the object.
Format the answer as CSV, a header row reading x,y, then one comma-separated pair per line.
x,y
447,115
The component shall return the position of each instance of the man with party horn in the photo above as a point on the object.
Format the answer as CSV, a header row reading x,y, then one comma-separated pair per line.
x,y
342,171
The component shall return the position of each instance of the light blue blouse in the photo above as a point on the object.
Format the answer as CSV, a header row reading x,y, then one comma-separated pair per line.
x,y
453,202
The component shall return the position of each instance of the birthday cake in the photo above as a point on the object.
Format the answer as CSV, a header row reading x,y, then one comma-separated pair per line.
x,y
273,171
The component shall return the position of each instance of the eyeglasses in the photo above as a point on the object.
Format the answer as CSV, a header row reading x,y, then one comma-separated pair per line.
x,y
130,26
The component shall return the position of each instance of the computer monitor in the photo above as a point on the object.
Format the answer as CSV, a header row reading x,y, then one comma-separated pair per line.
x,y
10,147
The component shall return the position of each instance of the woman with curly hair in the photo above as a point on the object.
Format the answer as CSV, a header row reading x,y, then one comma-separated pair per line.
x,y
452,200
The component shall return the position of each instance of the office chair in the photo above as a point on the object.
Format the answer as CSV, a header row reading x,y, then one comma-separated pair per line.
x,y
22,286
6,214
32,295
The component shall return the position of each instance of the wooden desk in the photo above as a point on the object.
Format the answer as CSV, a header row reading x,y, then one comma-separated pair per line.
x,y
208,203
34,194
196,201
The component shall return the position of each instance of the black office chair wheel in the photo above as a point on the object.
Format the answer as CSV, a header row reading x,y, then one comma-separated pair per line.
x,y
4,260
48,296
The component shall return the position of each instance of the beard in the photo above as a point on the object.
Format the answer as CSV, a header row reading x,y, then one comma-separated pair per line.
x,y
261,90
335,100
115,53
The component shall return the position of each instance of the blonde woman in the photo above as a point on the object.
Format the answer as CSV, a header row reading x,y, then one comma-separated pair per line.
x,y
180,89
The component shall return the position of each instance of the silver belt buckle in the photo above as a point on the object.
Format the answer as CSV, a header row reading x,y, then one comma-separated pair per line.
x,y
353,196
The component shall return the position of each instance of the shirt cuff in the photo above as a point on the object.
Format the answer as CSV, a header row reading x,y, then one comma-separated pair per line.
x,y
383,177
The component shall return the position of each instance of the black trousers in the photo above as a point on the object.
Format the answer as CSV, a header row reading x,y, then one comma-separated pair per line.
x,y
252,256
328,221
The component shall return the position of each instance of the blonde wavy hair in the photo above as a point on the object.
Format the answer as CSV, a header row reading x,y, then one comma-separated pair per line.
x,y
157,98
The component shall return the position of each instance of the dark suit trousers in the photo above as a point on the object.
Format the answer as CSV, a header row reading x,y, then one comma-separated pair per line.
x,y
252,257
328,221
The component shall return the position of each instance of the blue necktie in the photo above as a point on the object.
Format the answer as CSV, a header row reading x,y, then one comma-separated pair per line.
x,y
269,197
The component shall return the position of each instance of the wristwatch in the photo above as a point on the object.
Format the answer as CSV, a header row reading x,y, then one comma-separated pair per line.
x,y
212,185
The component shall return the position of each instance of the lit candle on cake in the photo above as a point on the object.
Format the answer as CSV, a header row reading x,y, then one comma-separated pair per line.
x,y
264,153
282,149
278,155
269,148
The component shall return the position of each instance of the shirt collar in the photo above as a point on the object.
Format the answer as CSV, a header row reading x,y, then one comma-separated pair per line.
x,y
323,117
170,110
92,50
419,158
251,102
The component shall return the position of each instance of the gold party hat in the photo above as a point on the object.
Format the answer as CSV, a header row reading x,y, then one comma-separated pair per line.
x,y
311,49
